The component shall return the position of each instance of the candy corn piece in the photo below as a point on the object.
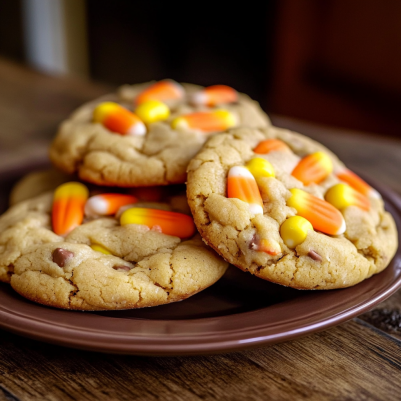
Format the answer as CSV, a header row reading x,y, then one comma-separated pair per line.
x,y
68,207
118,119
357,183
322,215
107,204
162,90
313,168
343,195
152,111
216,94
270,145
100,249
205,121
242,185
170,223
270,247
295,230
260,168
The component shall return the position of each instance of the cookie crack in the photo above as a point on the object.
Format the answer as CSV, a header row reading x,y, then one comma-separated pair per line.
x,y
73,292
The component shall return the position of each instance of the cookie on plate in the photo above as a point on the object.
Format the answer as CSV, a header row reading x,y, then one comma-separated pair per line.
x,y
284,208
107,144
106,253
37,182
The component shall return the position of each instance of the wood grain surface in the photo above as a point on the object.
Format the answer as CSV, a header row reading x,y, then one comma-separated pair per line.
x,y
360,359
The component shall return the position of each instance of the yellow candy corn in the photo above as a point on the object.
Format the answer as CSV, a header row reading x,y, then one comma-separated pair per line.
x,y
260,168
271,145
343,195
357,183
313,168
101,249
68,207
118,119
170,223
213,95
152,111
162,91
322,215
205,121
242,185
295,230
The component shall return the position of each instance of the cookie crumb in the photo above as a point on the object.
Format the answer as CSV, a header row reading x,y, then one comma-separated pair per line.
x,y
62,256
314,255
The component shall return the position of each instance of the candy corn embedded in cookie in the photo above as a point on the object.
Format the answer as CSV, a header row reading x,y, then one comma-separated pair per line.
x,y
162,90
170,223
342,195
68,207
101,249
270,145
357,183
269,246
118,119
322,215
107,204
241,184
260,168
152,111
205,121
313,168
294,231
213,95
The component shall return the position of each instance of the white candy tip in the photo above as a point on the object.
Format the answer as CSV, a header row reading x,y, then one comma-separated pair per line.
x,y
373,193
255,208
342,229
138,129
95,206
240,171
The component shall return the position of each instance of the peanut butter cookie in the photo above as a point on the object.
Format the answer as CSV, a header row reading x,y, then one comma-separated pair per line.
x,y
284,208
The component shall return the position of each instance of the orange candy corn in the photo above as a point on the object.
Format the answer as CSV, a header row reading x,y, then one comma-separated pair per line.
x,y
162,90
357,183
313,168
68,207
118,119
321,214
216,94
170,223
270,247
107,204
241,184
343,195
205,121
270,145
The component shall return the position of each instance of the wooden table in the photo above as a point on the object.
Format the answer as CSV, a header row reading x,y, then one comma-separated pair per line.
x,y
360,359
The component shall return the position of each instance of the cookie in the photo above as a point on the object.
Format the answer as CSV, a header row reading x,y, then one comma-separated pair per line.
x,y
284,208
119,149
145,254
37,182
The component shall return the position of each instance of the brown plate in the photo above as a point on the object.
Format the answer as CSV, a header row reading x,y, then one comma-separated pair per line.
x,y
238,312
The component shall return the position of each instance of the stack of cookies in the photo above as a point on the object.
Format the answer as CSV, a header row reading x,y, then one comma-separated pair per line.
x,y
116,228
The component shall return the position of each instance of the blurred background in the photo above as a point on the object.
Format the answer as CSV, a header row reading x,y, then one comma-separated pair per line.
x,y
334,62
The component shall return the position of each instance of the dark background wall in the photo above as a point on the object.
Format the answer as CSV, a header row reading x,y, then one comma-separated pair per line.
x,y
214,43
336,62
